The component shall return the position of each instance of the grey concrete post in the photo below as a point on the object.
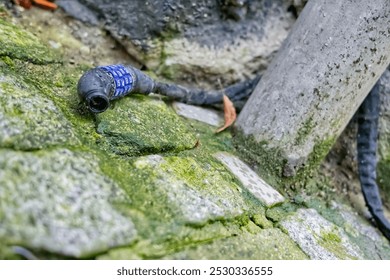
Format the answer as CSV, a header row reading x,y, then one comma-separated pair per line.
x,y
333,56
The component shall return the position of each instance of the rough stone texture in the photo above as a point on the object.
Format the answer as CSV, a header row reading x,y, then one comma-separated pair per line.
x,y
268,244
59,201
194,192
368,238
23,45
319,238
139,126
206,39
80,44
328,64
256,186
30,121
206,115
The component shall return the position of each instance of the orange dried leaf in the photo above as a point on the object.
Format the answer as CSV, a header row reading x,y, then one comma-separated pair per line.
x,y
229,113
45,4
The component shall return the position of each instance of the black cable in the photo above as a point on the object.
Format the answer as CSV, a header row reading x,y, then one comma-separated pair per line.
x,y
368,115
98,86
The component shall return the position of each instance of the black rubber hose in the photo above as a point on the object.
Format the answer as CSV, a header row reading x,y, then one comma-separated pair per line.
x,y
368,115
98,86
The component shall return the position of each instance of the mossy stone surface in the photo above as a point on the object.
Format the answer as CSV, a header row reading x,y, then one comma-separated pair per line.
x,y
269,244
30,121
19,44
60,202
369,239
189,190
139,125
318,237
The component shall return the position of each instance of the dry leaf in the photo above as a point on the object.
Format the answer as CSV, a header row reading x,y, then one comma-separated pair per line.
x,y
229,113
45,4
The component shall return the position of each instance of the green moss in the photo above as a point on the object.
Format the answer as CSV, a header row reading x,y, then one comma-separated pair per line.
x,y
325,210
8,62
271,162
251,227
265,244
320,150
307,175
261,221
167,71
57,83
140,125
331,237
19,44
304,131
210,142
29,120
371,249
202,171
332,242
188,170
170,242
210,177
280,212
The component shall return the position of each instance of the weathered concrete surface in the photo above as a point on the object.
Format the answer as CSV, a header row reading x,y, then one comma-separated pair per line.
x,y
74,194
194,40
328,64
206,115
59,201
257,186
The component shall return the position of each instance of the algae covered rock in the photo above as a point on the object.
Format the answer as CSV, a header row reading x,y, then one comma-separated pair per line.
x,y
187,190
319,238
19,44
30,121
270,244
139,125
60,202
368,238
